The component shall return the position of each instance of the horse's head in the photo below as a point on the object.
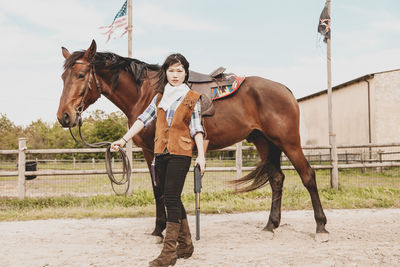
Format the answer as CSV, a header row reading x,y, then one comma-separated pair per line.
x,y
81,86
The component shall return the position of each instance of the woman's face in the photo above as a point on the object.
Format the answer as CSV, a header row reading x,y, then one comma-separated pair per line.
x,y
176,74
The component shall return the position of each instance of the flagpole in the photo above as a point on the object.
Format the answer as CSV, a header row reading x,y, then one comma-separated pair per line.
x,y
130,143
129,28
332,135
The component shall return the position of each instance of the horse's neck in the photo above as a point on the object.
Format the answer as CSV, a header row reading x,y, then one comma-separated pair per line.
x,y
130,99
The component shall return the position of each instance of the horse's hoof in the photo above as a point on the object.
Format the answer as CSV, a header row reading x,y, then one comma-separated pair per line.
x,y
322,237
268,234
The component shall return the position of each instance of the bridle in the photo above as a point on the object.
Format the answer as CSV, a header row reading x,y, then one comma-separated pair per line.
x,y
126,166
88,88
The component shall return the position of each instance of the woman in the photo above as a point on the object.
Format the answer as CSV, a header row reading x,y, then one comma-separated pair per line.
x,y
176,109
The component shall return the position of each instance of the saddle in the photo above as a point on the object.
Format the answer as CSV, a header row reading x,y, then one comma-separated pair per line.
x,y
215,85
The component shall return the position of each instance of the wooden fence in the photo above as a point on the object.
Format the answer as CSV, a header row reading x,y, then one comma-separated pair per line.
x,y
372,157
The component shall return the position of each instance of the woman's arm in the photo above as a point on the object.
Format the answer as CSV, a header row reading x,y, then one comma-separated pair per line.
x,y
144,120
201,161
196,132
136,128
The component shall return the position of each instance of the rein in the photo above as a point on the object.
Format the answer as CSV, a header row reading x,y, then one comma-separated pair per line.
x,y
126,166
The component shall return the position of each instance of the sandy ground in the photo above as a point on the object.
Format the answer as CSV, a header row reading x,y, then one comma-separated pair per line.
x,y
368,237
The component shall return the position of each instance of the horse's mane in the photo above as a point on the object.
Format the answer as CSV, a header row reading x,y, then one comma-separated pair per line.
x,y
115,63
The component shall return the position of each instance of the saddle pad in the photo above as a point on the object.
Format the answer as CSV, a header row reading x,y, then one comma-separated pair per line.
x,y
226,90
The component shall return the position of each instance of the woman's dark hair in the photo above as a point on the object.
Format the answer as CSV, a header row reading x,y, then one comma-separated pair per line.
x,y
162,76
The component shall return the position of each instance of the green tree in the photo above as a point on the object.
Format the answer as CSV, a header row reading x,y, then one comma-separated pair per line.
x,y
9,133
37,134
97,127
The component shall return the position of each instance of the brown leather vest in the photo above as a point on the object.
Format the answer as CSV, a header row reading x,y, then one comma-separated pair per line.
x,y
176,138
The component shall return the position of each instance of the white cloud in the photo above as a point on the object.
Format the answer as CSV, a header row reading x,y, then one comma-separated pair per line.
x,y
149,54
56,15
2,17
303,77
362,64
69,20
387,25
356,40
150,14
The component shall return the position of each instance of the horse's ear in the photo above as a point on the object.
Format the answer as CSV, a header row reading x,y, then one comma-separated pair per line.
x,y
89,54
65,52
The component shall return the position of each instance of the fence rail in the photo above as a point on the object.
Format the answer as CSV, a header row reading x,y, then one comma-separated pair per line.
x,y
368,156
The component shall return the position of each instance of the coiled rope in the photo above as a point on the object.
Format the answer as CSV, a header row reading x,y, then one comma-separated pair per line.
x,y
126,166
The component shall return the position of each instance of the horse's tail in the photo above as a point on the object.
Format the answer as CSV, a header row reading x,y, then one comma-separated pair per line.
x,y
260,176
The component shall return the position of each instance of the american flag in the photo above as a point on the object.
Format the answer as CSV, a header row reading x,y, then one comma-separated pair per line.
x,y
119,23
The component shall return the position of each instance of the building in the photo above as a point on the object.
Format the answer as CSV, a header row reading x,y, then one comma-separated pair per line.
x,y
365,110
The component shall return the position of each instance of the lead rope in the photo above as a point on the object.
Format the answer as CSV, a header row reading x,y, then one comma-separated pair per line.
x,y
126,166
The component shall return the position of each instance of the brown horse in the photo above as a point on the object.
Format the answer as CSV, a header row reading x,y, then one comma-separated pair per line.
x,y
261,111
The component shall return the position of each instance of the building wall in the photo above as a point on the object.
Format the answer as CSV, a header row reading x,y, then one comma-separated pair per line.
x,y
314,121
350,113
386,107
350,116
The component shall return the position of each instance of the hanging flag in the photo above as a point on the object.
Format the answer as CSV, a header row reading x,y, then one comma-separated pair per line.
x,y
120,23
324,25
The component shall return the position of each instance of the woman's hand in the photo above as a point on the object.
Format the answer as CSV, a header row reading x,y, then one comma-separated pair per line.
x,y
201,161
117,144
136,127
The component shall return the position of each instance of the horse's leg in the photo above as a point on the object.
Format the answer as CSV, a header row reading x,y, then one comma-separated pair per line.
x,y
307,174
161,216
270,157
276,182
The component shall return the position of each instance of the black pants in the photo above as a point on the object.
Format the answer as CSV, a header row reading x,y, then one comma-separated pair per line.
x,y
171,172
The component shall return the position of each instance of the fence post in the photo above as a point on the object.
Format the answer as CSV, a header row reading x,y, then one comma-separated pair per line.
x,y
74,161
21,167
362,161
93,161
238,158
380,159
334,162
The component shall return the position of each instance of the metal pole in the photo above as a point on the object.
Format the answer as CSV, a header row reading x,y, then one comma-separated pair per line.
x,y
130,143
332,135
21,167
129,28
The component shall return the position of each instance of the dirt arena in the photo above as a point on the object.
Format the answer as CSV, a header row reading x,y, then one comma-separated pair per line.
x,y
368,237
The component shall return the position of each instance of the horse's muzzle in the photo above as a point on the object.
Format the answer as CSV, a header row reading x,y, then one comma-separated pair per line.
x,y
65,120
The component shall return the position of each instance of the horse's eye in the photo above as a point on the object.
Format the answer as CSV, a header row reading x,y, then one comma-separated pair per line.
x,y
81,76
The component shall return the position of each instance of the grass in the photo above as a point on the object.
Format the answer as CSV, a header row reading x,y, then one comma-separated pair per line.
x,y
91,196
141,203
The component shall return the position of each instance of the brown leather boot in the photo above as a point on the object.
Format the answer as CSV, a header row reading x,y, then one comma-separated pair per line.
x,y
168,254
185,246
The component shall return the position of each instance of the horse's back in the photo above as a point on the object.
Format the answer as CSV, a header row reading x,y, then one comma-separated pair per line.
x,y
269,89
259,104
268,97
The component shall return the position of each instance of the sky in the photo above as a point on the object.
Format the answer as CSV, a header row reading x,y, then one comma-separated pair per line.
x,y
277,40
